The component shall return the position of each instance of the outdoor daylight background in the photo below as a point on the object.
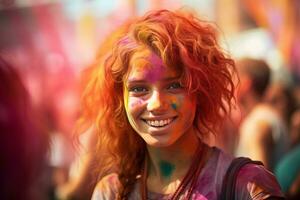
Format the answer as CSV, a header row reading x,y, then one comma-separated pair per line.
x,y
50,42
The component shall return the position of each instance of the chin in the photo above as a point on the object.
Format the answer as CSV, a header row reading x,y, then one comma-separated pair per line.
x,y
158,143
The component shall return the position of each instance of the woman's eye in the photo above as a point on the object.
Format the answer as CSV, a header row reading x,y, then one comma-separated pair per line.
x,y
138,89
175,85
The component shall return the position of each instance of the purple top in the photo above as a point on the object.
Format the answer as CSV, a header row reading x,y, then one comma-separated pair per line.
x,y
253,182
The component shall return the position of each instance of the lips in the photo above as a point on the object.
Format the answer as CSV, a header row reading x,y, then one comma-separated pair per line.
x,y
159,122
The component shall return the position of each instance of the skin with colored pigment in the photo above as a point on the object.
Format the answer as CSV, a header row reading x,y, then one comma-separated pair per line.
x,y
158,107
174,103
136,103
155,73
166,168
174,106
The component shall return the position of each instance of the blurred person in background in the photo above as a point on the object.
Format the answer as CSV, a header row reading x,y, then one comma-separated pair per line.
x,y
262,134
287,170
295,118
280,96
64,112
24,142
295,128
81,174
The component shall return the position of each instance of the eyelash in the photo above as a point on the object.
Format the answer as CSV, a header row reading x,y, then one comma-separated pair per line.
x,y
138,89
174,86
143,89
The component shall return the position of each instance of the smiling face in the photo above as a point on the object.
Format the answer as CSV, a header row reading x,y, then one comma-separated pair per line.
x,y
158,108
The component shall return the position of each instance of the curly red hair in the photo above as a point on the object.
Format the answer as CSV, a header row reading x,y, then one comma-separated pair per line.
x,y
184,43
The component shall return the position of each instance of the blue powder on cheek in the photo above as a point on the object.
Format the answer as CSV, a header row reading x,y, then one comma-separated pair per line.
x,y
174,106
166,168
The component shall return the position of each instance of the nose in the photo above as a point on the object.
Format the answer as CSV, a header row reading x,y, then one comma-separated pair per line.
x,y
157,102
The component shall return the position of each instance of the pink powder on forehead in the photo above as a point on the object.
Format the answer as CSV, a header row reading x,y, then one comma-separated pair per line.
x,y
156,68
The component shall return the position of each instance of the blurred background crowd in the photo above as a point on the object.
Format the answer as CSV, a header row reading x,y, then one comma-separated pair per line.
x,y
46,44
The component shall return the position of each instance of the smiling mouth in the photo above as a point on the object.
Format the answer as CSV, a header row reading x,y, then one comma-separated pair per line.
x,y
159,123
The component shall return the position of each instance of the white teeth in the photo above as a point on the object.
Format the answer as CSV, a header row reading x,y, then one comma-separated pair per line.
x,y
159,123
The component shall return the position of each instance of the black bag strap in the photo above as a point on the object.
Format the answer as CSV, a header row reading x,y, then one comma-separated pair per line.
x,y
229,181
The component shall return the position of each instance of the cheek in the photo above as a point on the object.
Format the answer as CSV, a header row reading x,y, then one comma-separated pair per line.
x,y
134,106
177,102
131,103
184,105
174,104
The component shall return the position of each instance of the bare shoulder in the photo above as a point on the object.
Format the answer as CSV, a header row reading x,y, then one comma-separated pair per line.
x,y
256,182
106,188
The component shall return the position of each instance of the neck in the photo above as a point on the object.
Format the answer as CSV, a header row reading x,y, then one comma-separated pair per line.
x,y
169,164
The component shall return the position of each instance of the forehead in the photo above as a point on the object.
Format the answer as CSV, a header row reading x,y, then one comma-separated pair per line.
x,y
147,66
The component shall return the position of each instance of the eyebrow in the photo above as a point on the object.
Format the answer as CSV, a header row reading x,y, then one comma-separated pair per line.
x,y
133,80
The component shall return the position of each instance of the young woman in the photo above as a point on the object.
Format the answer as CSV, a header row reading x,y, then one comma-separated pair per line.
x,y
153,99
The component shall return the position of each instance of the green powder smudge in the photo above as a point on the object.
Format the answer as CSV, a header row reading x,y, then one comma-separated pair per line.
x,y
166,168
174,106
